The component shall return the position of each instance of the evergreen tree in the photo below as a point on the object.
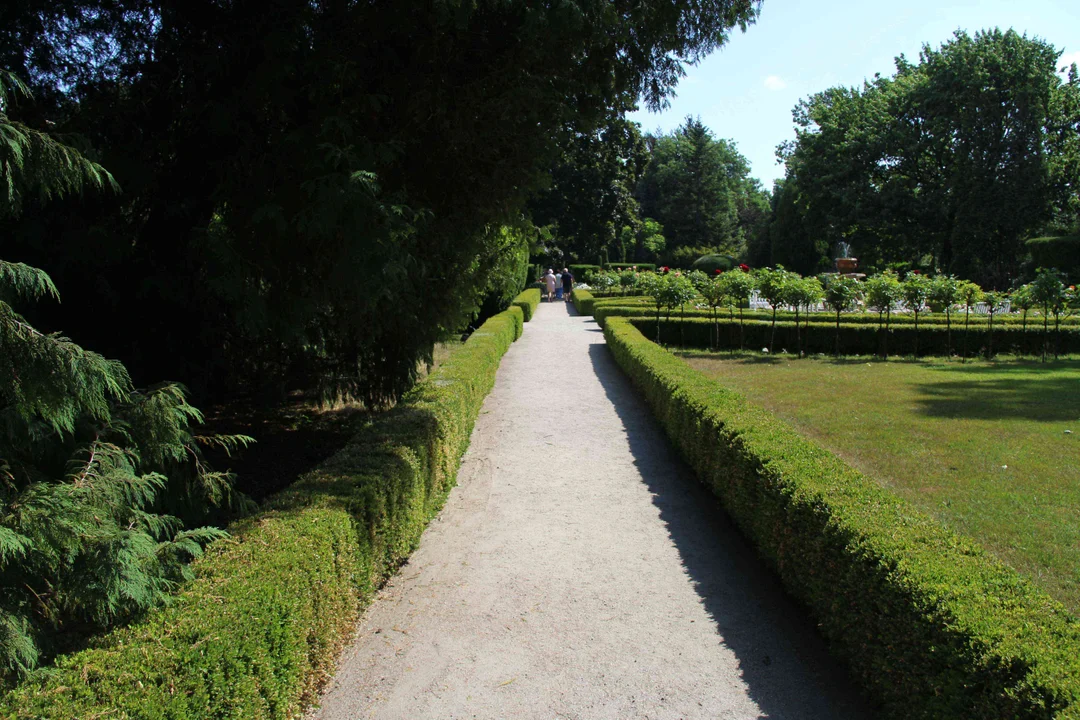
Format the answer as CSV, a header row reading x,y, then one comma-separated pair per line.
x,y
87,462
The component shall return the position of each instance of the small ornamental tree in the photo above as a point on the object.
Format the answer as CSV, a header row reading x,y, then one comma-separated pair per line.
x,y
715,293
801,293
841,293
1049,293
628,279
944,293
882,294
1022,298
771,283
676,290
651,284
915,290
995,302
740,286
698,279
605,280
970,295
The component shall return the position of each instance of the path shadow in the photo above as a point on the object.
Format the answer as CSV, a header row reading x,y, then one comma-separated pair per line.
x,y
756,618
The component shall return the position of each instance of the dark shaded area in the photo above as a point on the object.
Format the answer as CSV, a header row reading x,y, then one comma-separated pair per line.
x,y
713,551
290,439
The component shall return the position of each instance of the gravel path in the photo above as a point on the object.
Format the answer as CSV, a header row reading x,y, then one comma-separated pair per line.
x,y
579,571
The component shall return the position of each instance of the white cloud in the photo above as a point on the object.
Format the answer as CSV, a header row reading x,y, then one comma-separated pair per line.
x,y
1068,59
774,82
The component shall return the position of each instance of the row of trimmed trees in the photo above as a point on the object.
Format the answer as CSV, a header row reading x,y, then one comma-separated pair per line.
x,y
883,293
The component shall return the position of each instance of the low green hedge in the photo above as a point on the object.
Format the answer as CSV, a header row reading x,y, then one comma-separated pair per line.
x,y
928,623
258,631
528,301
854,339
583,301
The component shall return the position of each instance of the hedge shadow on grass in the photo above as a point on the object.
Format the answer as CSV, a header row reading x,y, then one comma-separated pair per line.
x,y
757,619
1002,397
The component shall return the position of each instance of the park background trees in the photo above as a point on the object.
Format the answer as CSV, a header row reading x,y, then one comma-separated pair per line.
x,y
950,164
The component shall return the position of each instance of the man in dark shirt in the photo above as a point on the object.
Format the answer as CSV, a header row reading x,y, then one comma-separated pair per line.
x,y
567,283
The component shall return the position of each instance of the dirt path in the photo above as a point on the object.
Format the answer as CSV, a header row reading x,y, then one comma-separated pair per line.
x,y
578,571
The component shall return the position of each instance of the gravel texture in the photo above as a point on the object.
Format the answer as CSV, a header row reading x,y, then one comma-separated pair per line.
x,y
579,571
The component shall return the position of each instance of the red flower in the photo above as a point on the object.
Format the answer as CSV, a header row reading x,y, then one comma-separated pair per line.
x,y
718,271
744,267
916,272
664,268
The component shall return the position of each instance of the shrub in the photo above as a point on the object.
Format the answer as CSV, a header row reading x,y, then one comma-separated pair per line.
x,y
927,622
528,301
258,630
1061,252
580,271
709,264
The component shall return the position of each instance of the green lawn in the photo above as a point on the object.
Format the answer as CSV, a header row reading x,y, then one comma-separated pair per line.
x,y
981,446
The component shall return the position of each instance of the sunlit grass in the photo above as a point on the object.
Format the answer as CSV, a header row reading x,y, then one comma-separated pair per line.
x,y
992,449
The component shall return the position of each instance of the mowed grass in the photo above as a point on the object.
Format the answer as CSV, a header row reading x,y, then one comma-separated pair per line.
x,y
981,446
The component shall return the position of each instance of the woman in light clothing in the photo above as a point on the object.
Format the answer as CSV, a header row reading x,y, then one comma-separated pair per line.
x,y
549,282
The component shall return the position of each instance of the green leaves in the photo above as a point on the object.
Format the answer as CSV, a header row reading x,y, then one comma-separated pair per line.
x,y
952,161
86,463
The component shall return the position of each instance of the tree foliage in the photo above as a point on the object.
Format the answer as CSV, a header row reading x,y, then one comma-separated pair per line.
x,y
310,188
959,157
700,189
92,471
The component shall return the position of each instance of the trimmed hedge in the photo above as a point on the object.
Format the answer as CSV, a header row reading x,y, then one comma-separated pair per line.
x,y
528,301
928,623
578,271
1061,252
583,301
854,339
258,631
630,265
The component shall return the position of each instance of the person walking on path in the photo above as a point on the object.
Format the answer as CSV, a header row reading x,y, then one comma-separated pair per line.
x,y
567,284
549,282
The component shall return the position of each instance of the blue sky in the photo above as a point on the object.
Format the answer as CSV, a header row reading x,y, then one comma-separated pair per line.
x,y
746,90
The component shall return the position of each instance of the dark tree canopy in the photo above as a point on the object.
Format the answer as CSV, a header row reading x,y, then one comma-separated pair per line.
x,y
699,188
591,196
315,190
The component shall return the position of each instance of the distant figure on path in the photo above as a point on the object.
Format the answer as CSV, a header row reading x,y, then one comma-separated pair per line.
x,y
549,281
567,284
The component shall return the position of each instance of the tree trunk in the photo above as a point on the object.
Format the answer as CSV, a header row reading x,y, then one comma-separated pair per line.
x,y
837,333
967,320
772,334
888,316
948,332
798,334
916,334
